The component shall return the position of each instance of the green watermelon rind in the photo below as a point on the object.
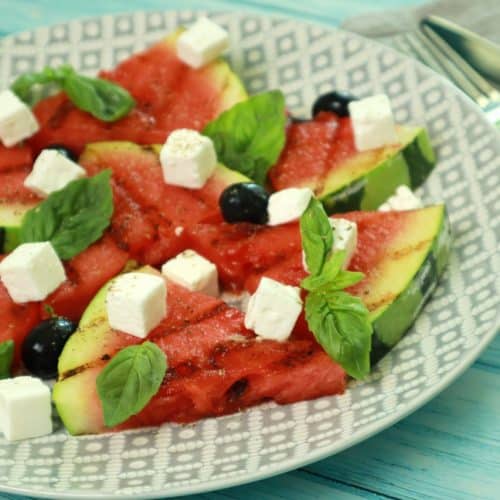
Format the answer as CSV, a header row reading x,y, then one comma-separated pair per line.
x,y
11,217
391,324
410,166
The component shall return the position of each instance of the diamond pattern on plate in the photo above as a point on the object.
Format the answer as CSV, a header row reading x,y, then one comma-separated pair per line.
x,y
304,60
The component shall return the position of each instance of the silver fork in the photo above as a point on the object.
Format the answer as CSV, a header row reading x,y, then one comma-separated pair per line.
x,y
434,52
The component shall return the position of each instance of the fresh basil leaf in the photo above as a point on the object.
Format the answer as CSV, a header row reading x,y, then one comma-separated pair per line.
x,y
249,137
130,380
26,86
72,218
103,99
317,236
340,324
6,357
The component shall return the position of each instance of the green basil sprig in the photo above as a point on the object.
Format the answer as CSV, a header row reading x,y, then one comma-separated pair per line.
x,y
72,218
338,320
130,380
103,99
6,357
249,137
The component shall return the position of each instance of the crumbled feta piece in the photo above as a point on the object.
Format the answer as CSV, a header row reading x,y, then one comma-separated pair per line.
x,y
345,237
273,310
201,43
136,303
25,408
178,231
194,272
31,272
402,199
51,172
17,122
372,122
288,205
188,159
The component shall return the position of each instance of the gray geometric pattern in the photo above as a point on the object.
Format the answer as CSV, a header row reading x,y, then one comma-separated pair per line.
x,y
462,317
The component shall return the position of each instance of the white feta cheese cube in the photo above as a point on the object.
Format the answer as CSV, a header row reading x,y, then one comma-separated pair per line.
x,y
188,159
136,303
194,272
373,122
32,272
273,310
17,122
25,408
288,205
201,43
345,237
51,172
402,199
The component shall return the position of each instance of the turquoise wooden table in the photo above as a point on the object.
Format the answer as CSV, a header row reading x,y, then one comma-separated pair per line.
x,y
448,449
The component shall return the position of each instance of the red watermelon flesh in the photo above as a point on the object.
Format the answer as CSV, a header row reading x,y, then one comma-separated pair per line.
x,y
15,157
216,367
86,274
12,186
145,205
16,321
168,95
244,375
242,250
313,149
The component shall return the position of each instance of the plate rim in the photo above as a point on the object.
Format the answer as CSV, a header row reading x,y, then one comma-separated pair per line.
x,y
368,430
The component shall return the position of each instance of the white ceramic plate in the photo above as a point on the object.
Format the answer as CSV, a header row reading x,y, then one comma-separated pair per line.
x,y
462,317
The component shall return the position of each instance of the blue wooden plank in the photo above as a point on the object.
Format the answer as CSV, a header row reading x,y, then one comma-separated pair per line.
x,y
491,356
448,449
20,15
297,485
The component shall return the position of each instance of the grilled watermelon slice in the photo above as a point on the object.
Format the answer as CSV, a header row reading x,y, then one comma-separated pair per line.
x,y
216,366
168,93
402,254
151,218
320,154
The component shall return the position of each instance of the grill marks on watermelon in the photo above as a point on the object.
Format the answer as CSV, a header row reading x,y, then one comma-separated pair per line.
x,y
86,274
244,375
145,205
312,151
241,250
168,94
216,366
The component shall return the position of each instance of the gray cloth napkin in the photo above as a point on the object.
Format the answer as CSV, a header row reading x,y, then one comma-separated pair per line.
x,y
481,16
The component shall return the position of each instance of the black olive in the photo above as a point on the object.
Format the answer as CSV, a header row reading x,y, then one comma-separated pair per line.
x,y
335,102
68,153
43,345
244,202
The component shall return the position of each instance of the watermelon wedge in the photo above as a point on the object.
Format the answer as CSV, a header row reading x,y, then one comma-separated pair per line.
x,y
169,95
402,254
216,366
320,154
151,217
